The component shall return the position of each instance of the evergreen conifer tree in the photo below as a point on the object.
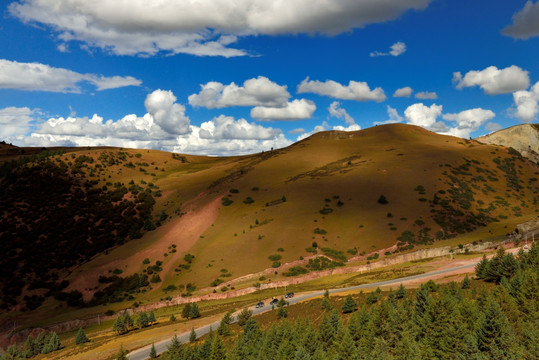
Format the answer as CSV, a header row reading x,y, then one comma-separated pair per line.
x,y
153,352
30,347
466,283
172,318
223,326
401,292
186,311
495,337
151,318
218,349
481,267
243,316
81,337
193,336
349,305
326,304
122,353
175,347
40,342
142,320
302,354
195,312
119,326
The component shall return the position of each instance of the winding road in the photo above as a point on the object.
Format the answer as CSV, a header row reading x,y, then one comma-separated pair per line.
x,y
143,353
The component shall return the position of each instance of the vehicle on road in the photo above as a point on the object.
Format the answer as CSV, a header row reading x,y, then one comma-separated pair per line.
x,y
259,304
274,302
289,295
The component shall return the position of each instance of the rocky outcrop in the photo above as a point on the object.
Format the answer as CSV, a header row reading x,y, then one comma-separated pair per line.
x,y
527,230
523,138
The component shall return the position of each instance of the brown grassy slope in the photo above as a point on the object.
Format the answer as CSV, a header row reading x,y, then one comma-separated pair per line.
x,y
357,168
346,172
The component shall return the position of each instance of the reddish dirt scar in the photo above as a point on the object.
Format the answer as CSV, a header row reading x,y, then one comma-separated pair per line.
x,y
183,232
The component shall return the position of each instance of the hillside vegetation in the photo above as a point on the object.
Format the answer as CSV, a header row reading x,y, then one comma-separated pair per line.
x,y
143,225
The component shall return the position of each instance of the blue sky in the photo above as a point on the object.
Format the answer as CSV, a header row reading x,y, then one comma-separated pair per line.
x,y
224,78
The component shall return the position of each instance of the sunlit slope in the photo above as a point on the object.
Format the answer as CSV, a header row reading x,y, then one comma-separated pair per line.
x,y
436,187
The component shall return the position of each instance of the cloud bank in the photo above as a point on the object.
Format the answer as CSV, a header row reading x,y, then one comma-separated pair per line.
x,y
258,91
494,81
358,91
525,22
41,77
204,28
165,126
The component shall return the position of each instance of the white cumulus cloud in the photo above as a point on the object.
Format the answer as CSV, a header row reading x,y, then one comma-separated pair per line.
x,y
205,28
165,126
396,49
394,117
525,22
468,121
41,77
425,116
298,109
461,124
494,81
526,103
403,92
337,111
226,127
258,91
426,95
15,121
358,91
167,114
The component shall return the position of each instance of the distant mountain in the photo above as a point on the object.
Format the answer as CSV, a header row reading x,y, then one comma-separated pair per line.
x,y
523,138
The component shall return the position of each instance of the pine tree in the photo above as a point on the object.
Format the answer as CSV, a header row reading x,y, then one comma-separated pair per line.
x,y
81,337
243,316
495,337
186,311
30,347
346,348
326,304
349,305
51,344
151,318
401,292
119,326
195,312
302,354
175,346
172,318
142,320
466,283
193,336
218,349
40,342
223,326
153,353
481,267
122,353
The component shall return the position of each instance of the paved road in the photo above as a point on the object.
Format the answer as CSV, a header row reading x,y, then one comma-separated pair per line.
x,y
142,354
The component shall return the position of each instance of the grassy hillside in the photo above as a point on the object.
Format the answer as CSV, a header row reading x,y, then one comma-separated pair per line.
x,y
388,188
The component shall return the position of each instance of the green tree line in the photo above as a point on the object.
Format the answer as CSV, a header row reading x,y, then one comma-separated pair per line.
x,y
453,321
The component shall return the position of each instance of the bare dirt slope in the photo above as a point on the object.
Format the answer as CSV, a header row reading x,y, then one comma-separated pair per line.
x,y
523,138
